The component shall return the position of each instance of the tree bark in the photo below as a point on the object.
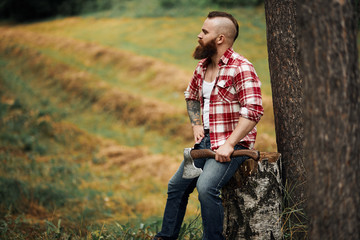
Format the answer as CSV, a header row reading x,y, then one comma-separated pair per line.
x,y
287,94
252,200
327,41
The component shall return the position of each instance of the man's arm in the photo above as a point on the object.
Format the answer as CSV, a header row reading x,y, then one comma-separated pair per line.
x,y
193,109
224,152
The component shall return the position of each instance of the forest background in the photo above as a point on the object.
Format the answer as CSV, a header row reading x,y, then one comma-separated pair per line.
x,y
92,117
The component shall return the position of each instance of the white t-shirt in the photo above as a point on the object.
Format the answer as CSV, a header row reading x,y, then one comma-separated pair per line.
x,y
206,92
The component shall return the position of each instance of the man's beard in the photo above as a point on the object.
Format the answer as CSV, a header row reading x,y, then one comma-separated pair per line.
x,y
205,51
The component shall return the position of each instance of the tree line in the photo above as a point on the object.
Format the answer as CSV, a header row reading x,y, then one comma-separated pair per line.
x,y
27,10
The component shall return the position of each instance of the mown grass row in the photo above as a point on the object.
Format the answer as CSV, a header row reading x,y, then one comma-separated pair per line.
x,y
139,76
153,120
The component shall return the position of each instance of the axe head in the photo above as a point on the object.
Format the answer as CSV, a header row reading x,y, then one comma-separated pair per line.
x,y
190,171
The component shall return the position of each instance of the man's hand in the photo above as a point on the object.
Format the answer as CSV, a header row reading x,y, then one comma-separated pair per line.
x,y
223,153
198,131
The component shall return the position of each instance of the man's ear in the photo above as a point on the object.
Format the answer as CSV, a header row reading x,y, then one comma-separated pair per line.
x,y
220,39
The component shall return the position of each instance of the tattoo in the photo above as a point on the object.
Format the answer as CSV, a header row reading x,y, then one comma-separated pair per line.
x,y
193,109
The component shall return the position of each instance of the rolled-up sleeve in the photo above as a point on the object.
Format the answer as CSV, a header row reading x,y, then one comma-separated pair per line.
x,y
249,93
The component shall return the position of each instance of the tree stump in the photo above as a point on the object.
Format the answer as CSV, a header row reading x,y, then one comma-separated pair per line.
x,y
253,200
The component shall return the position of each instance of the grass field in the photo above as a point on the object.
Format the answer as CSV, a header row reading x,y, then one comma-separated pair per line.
x,y
93,122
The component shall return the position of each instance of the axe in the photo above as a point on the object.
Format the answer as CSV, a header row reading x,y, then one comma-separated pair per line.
x,y
190,171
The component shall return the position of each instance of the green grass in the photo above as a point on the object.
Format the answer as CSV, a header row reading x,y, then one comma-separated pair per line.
x,y
294,218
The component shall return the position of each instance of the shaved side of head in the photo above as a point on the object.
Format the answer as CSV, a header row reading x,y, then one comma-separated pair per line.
x,y
226,24
226,27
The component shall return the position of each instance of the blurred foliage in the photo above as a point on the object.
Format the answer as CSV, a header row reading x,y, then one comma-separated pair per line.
x,y
27,10
24,10
238,3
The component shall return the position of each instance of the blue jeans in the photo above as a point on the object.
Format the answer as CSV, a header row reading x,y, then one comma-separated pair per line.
x,y
214,176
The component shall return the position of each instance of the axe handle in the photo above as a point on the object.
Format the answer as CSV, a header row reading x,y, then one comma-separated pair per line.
x,y
206,153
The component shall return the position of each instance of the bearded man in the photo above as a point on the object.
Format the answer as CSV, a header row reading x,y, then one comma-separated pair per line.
x,y
224,105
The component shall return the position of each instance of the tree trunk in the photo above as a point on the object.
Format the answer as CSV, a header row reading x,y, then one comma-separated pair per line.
x,y
287,94
252,200
327,41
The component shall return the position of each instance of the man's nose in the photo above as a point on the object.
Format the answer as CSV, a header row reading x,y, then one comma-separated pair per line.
x,y
199,36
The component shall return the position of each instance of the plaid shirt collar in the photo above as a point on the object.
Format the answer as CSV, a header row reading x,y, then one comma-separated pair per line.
x,y
226,57
223,60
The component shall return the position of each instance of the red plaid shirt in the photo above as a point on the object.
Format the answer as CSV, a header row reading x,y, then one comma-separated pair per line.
x,y
236,94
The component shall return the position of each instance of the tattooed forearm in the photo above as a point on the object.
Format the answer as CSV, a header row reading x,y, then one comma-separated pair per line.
x,y
193,109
